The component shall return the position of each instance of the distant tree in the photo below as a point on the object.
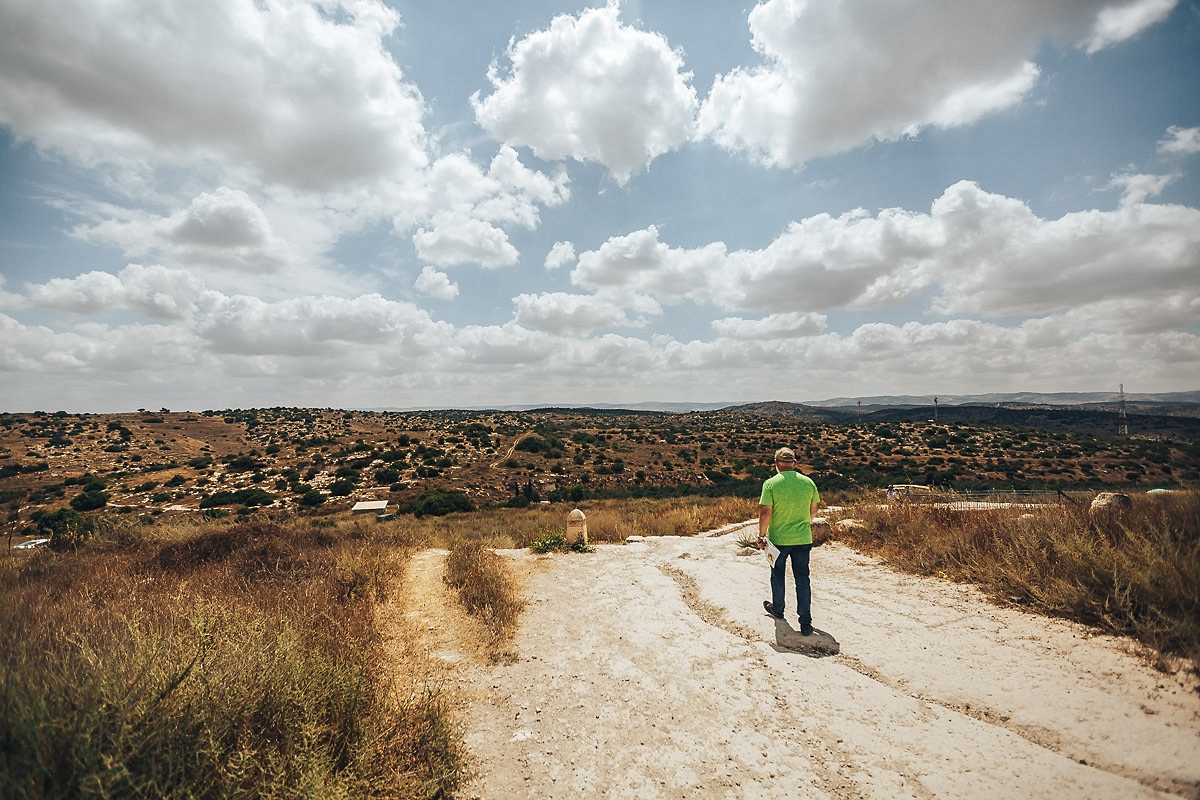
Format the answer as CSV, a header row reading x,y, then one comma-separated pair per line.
x,y
311,499
439,502
386,475
242,463
89,500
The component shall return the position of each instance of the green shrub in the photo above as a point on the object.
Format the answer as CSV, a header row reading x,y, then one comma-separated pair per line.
x,y
439,502
89,501
245,497
311,498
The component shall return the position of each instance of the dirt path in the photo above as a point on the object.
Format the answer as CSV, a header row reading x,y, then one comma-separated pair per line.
x,y
650,670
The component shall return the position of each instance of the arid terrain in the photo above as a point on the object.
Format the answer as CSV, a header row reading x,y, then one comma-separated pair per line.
x,y
152,463
650,670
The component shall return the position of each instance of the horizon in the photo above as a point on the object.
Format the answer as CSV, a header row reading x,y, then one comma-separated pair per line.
x,y
668,406
386,203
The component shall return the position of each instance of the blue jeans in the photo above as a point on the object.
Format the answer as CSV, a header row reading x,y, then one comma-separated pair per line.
x,y
799,554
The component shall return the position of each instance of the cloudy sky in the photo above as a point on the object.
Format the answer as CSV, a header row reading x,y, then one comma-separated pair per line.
x,y
360,203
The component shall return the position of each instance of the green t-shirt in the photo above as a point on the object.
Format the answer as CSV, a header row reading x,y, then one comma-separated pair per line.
x,y
790,496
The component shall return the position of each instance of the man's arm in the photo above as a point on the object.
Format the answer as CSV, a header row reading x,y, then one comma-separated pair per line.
x,y
764,523
812,509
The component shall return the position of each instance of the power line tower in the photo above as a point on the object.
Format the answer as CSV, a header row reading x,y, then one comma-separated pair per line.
x,y
1122,418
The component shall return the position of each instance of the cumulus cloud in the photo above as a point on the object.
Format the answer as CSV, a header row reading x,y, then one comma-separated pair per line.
x,y
310,326
304,326
775,326
577,314
153,291
224,229
472,205
591,89
976,251
561,254
433,283
301,94
1180,141
839,75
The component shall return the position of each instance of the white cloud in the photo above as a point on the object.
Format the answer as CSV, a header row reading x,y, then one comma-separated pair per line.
x,y
1180,141
471,206
1137,188
775,326
576,314
1001,259
840,75
437,284
503,346
1117,22
978,252
454,239
561,254
224,229
303,326
591,89
297,93
307,327
153,291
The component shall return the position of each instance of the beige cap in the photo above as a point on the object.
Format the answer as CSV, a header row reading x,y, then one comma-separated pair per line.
x,y
785,454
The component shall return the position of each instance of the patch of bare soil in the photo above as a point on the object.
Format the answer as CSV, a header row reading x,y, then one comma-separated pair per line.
x,y
649,670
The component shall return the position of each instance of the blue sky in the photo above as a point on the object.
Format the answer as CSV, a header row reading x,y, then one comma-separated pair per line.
x,y
356,203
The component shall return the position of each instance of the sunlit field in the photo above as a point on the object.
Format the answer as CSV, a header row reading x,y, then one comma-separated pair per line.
x,y
222,659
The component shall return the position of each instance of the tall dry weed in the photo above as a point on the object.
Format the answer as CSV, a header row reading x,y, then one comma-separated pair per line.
x,y
222,665
488,590
1134,572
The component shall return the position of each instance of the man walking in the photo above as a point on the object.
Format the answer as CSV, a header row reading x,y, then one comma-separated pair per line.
x,y
785,510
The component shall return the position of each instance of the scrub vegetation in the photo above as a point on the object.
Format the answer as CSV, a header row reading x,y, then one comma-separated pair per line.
x,y
219,659
1126,571
209,620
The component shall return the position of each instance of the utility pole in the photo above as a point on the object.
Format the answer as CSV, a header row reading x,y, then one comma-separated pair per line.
x,y
935,409
1122,419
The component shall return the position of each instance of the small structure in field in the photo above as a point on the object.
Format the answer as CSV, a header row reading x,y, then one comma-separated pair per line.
x,y
370,507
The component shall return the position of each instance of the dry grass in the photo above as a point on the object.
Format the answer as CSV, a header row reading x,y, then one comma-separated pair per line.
x,y
490,592
237,662
209,660
1134,573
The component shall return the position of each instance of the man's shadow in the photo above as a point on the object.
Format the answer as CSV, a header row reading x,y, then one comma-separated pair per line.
x,y
819,645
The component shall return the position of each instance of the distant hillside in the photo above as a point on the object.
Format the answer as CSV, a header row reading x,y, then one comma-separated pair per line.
x,y
776,408
1092,420
1178,420
1187,403
1027,398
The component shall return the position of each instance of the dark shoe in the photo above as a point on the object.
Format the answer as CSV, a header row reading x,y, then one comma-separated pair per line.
x,y
806,629
770,609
